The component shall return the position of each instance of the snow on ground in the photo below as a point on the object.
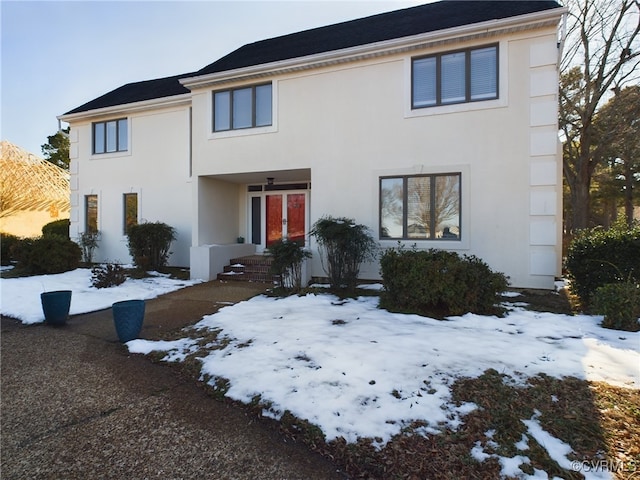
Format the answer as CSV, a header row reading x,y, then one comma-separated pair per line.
x,y
20,297
358,371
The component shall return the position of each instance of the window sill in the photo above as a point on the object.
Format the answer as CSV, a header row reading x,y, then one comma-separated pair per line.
x,y
243,132
440,244
104,156
454,108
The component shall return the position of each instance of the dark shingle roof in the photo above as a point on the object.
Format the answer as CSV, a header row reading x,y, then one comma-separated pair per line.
x,y
137,92
377,28
385,26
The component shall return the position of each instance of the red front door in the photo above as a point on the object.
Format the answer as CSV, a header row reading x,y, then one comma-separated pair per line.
x,y
286,216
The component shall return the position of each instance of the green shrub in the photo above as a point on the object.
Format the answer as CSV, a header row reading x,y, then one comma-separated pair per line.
x,y
7,241
344,246
287,260
58,227
437,282
149,244
107,275
47,254
597,257
620,305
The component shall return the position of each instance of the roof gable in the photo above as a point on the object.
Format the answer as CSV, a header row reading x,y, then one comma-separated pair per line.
x,y
377,28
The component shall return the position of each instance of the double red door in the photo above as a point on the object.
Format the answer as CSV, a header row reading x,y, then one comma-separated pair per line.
x,y
286,217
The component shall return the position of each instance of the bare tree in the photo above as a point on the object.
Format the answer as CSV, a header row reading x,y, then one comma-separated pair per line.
x,y
601,55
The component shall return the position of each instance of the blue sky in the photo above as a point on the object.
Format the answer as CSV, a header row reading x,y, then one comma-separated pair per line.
x,y
57,55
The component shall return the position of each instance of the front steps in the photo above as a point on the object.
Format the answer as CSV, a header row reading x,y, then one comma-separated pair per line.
x,y
252,268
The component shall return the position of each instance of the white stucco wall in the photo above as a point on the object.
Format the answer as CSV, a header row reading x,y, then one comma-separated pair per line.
x,y
156,166
352,123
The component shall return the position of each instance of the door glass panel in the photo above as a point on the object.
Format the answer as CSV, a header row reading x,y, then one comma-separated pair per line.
x,y
296,217
274,218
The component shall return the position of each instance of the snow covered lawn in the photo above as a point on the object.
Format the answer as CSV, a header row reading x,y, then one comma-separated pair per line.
x,y
21,296
357,371
360,372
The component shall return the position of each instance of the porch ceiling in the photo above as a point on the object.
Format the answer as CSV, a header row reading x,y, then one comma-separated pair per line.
x,y
279,176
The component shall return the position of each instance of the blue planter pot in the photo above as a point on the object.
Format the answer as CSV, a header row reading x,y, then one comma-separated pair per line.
x,y
128,317
55,306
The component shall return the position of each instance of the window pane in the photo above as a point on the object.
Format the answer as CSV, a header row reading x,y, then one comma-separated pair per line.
x,y
424,82
242,108
130,210
222,109
453,78
123,135
91,213
263,105
391,207
484,82
98,137
447,206
111,136
419,207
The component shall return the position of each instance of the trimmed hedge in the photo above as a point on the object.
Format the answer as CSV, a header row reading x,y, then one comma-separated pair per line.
x,y
149,244
597,257
437,282
47,254
58,227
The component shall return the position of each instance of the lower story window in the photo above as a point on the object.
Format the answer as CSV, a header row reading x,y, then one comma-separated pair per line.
x,y
130,211
420,207
91,213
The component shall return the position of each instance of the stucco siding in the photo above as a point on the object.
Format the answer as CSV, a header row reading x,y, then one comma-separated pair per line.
x,y
350,125
155,166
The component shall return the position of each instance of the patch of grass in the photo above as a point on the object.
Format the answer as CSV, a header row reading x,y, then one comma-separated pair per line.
x,y
545,300
601,423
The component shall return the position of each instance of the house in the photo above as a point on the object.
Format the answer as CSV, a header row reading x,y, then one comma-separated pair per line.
x,y
434,125
33,192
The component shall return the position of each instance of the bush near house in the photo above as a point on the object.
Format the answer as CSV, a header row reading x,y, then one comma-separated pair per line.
x,y
437,282
598,256
149,244
288,258
7,241
88,242
620,305
107,275
58,227
47,254
344,246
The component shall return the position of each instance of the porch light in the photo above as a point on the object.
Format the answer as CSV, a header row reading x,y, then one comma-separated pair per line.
x,y
270,180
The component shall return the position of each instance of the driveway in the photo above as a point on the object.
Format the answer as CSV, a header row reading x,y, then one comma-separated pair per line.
x,y
77,405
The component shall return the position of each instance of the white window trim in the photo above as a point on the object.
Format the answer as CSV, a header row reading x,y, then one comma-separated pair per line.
x,y
465,205
242,132
500,102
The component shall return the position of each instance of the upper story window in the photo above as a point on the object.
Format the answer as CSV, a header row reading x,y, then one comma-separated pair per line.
x,y
420,207
111,136
245,107
455,77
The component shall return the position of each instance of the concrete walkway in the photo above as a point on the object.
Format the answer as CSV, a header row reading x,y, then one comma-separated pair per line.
x,y
76,405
